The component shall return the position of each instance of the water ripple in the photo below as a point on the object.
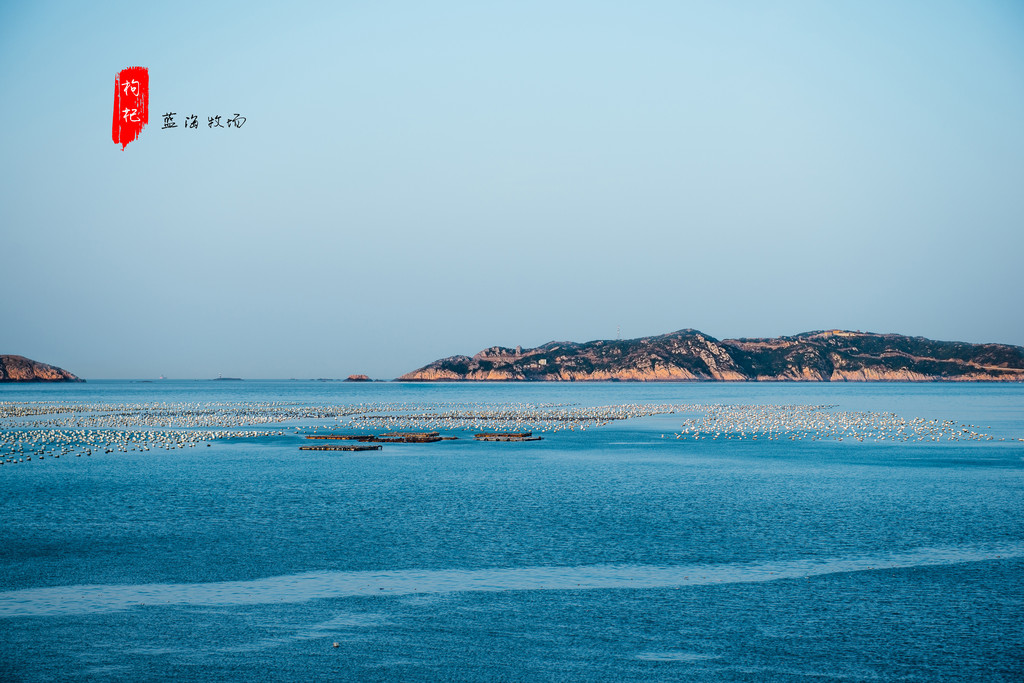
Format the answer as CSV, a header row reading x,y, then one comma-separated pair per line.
x,y
297,588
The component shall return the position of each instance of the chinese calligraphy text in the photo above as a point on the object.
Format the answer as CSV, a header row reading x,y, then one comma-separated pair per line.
x,y
192,121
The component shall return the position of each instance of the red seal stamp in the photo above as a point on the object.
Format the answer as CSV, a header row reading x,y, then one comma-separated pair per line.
x,y
131,104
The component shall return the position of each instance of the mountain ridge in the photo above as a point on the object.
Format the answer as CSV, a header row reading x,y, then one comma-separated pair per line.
x,y
691,355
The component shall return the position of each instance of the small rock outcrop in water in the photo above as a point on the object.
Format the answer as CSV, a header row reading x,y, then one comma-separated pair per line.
x,y
825,356
358,378
21,369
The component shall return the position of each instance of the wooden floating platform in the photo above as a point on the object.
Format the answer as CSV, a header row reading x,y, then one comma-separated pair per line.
x,y
392,437
412,435
339,448
487,435
402,439
497,437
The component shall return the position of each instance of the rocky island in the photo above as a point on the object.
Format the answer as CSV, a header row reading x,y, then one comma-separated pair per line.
x,y
690,355
21,369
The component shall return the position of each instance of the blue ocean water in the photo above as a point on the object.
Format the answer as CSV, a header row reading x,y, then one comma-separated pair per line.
x,y
615,553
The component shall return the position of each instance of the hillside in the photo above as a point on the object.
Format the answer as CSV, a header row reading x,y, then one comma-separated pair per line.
x,y
690,355
21,369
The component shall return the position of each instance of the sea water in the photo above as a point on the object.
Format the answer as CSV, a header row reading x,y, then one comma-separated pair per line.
x,y
615,553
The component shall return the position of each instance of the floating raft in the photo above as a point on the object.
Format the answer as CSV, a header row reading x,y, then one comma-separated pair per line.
x,y
353,447
391,437
510,438
402,439
488,434
507,436
408,437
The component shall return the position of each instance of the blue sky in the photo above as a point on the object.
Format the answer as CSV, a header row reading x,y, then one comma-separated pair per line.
x,y
416,180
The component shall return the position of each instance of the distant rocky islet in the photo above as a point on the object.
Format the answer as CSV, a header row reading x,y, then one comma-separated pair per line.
x,y
21,369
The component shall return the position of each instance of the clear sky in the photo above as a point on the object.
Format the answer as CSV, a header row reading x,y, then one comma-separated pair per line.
x,y
420,179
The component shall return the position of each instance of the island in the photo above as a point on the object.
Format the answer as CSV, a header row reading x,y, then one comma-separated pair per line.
x,y
691,355
21,369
